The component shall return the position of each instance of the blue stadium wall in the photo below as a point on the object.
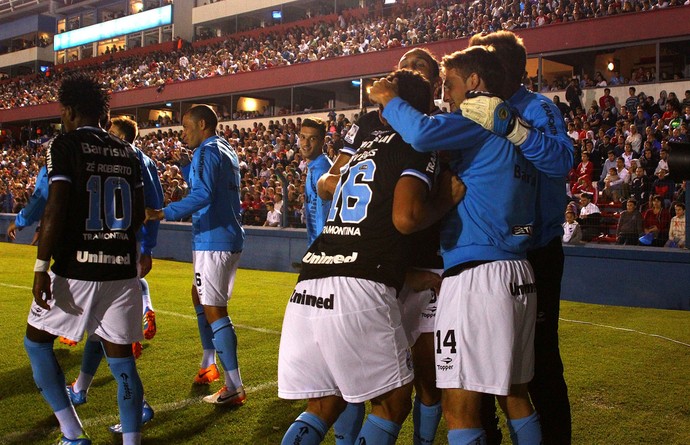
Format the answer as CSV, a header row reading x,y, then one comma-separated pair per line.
x,y
600,274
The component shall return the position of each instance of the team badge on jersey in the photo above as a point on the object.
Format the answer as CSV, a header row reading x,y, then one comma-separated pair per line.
x,y
350,136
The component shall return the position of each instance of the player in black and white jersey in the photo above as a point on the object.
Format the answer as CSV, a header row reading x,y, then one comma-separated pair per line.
x,y
342,338
95,206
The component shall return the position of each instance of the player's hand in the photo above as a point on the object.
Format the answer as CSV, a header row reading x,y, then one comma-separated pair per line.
x,y
495,115
383,90
145,264
458,189
420,280
154,215
185,157
41,289
12,231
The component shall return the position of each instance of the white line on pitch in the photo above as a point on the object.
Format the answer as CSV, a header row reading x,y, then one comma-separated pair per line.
x,y
241,326
625,330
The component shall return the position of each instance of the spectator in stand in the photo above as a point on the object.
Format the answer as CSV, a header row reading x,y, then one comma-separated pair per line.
x,y
590,217
676,232
616,182
635,138
630,224
632,100
639,186
604,100
572,233
273,216
664,187
562,107
573,93
663,162
657,221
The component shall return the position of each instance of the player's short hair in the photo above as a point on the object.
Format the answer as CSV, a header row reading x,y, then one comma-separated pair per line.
x,y
510,49
84,95
203,113
127,126
481,60
413,88
429,57
317,123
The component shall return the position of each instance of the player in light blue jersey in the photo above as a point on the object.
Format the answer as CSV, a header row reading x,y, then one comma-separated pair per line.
x,y
311,139
217,241
33,210
550,149
487,305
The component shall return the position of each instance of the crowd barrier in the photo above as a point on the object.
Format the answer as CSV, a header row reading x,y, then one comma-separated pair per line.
x,y
598,274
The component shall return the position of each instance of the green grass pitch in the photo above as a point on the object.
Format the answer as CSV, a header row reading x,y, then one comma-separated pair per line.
x,y
628,369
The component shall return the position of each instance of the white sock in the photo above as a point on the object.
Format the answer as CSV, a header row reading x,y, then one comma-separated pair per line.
x,y
146,300
83,382
233,379
131,438
69,422
209,358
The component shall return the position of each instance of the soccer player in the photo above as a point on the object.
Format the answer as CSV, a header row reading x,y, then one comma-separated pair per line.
x,y
346,292
548,148
95,206
126,129
487,305
218,237
33,210
417,297
311,140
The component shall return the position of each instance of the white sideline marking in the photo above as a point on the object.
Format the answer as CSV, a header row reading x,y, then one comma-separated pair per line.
x,y
111,419
242,326
174,314
625,330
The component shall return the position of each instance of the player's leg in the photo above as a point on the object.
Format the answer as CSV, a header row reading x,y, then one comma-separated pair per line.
x,y
208,371
523,421
426,412
388,412
50,380
346,428
461,409
130,391
42,328
90,360
311,426
119,326
149,314
548,388
217,276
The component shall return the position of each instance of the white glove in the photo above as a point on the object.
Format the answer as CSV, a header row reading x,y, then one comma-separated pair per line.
x,y
495,115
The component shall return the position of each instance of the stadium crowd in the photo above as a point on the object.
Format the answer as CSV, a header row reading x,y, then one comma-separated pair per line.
x,y
343,36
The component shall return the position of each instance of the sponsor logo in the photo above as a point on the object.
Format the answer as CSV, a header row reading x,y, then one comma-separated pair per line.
x,y
105,151
524,175
312,300
522,289
408,359
350,136
84,256
313,258
522,230
125,382
342,231
552,119
447,366
105,236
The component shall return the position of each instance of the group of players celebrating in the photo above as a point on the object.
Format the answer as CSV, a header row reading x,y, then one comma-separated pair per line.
x,y
376,313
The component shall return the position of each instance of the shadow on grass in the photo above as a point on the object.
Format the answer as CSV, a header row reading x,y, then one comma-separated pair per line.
x,y
277,417
19,381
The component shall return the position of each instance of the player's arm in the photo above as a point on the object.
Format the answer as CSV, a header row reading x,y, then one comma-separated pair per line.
x,y
325,187
33,210
540,133
415,208
342,159
52,226
153,198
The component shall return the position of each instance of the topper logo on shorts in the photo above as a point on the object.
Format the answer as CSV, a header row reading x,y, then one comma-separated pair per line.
x,y
447,366
312,300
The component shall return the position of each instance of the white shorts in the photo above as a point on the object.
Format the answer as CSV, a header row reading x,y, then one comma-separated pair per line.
x,y
342,336
214,275
108,309
418,310
485,328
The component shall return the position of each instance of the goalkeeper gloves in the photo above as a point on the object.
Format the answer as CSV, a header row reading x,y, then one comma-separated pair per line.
x,y
495,115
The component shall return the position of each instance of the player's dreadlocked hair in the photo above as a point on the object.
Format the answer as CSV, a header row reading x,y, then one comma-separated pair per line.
x,y
85,95
413,88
